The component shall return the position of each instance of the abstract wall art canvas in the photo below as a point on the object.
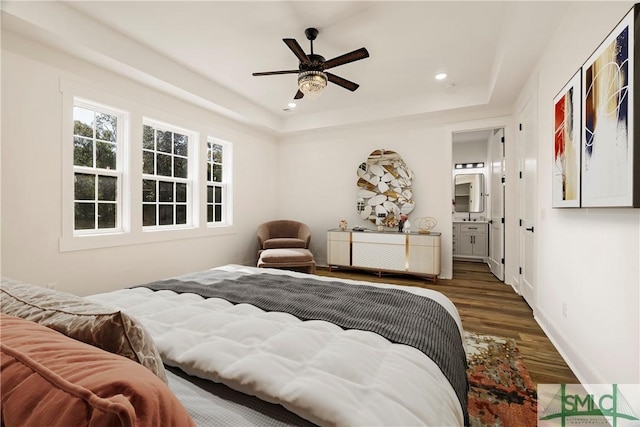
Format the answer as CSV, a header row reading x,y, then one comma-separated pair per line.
x,y
566,145
610,148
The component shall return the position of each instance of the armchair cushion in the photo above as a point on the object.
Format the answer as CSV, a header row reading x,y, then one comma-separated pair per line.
x,y
283,243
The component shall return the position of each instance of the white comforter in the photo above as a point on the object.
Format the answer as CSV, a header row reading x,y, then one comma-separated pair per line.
x,y
315,369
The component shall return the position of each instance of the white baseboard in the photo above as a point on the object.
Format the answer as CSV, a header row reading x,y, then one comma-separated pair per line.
x,y
582,369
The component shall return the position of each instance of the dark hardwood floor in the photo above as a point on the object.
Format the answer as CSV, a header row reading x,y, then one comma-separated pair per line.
x,y
488,306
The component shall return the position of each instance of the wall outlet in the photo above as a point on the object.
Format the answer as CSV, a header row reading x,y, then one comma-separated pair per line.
x,y
564,309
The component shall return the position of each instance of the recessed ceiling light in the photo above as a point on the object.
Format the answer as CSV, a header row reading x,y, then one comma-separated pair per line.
x,y
441,76
292,105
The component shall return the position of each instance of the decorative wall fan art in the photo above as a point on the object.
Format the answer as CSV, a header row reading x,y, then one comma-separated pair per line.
x,y
566,142
610,153
384,182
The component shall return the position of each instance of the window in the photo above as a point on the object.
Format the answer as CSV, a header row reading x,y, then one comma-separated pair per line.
x,y
97,167
218,182
166,187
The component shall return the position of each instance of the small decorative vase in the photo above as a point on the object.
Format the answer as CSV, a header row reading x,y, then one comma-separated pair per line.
x,y
343,225
400,226
407,227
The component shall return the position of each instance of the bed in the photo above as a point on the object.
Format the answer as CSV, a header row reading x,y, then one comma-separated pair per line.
x,y
248,346
323,373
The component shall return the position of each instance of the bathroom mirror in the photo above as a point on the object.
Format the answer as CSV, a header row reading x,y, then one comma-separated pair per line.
x,y
469,193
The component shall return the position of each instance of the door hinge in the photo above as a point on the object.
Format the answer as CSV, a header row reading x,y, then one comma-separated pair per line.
x,y
520,223
520,126
502,220
502,260
520,174
503,179
502,139
520,270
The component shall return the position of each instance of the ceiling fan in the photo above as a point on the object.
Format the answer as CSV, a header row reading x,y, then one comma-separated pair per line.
x,y
312,77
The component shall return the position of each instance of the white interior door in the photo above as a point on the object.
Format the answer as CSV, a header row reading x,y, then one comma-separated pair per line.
x,y
496,196
528,200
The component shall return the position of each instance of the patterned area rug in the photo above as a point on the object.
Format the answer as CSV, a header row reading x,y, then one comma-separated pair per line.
x,y
501,392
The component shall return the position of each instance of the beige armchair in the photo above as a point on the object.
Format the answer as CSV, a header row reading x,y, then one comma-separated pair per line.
x,y
283,234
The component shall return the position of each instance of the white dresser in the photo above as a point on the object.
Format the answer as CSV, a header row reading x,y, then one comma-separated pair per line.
x,y
471,240
390,251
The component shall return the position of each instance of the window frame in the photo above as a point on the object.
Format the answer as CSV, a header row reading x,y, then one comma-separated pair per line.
x,y
190,181
226,184
121,143
192,201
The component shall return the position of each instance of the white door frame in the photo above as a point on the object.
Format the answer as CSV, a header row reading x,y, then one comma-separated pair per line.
x,y
527,120
497,200
512,259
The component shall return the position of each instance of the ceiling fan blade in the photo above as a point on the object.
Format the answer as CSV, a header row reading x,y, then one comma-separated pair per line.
x,y
346,58
272,73
299,95
297,50
342,82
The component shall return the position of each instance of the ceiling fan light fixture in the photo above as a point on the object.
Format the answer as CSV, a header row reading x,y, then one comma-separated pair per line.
x,y
312,83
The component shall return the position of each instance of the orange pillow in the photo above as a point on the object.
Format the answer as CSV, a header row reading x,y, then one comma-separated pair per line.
x,y
48,377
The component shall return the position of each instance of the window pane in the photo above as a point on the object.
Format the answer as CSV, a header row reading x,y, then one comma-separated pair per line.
x,y
210,213
166,191
82,122
218,194
85,216
179,167
164,141
218,217
217,173
106,127
148,165
82,152
181,214
147,137
180,144
216,150
107,188
164,165
148,215
166,215
210,194
209,172
181,193
105,155
148,190
106,215
85,187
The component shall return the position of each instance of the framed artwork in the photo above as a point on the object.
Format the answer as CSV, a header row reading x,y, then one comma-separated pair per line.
x,y
610,146
566,145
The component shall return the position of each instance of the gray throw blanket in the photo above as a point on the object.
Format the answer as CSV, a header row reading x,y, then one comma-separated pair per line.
x,y
399,316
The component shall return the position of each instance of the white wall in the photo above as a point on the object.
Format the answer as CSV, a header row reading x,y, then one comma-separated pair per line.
x,y
31,179
587,258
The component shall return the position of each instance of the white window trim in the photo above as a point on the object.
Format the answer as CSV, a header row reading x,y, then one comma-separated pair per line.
x,y
132,232
192,181
227,183
122,162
